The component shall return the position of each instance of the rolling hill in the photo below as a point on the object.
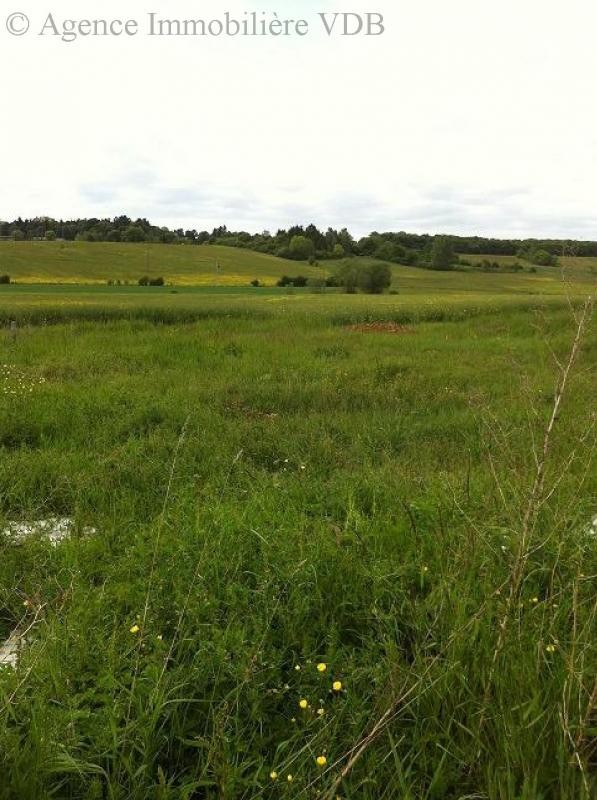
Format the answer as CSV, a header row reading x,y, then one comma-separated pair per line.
x,y
97,263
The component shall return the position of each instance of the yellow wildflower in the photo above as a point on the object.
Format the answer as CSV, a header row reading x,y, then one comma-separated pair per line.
x,y
135,629
304,703
551,648
321,761
290,778
321,712
274,776
337,686
322,667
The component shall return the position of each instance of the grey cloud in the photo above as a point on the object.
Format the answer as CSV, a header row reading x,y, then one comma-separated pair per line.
x,y
441,209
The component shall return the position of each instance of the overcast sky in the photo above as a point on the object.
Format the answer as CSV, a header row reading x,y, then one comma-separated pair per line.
x,y
468,116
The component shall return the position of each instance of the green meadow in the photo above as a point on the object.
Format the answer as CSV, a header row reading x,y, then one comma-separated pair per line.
x,y
323,546
98,262
76,263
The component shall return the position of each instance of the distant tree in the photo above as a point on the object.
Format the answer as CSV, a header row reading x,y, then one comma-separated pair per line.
x,y
144,281
300,248
368,244
51,236
134,233
388,251
338,251
255,283
4,279
156,282
442,253
347,242
375,278
114,235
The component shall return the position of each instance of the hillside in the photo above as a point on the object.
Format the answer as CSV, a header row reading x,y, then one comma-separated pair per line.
x,y
98,262
214,265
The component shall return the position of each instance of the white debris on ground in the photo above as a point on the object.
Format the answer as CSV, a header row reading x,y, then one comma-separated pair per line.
x,y
9,651
592,528
55,529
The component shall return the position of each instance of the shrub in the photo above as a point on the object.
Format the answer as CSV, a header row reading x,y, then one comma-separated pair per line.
x,y
144,281
255,283
347,276
51,236
156,282
299,281
4,279
375,278
537,256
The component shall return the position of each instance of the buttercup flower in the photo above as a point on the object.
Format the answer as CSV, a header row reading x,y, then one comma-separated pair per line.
x,y
290,778
321,712
135,629
551,648
274,776
337,686
304,703
322,667
321,761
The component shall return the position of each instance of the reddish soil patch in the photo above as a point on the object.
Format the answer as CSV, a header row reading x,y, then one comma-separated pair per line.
x,y
380,327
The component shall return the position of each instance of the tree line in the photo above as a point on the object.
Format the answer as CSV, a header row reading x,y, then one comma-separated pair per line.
x,y
298,243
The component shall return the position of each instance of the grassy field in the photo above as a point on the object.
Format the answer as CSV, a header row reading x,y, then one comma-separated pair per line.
x,y
97,263
271,489
417,294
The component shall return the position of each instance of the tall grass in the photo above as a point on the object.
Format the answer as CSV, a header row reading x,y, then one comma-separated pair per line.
x,y
274,492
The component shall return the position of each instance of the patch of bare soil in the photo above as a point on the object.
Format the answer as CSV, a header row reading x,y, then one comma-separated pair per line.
x,y
380,327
